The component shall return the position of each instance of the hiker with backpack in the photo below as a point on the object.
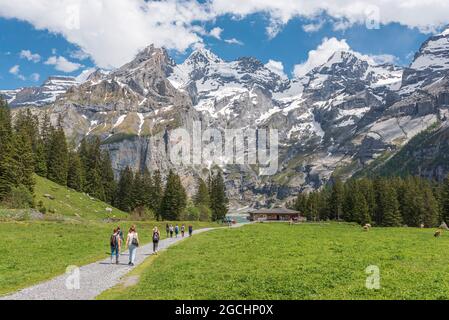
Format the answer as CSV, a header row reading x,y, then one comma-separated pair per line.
x,y
115,243
177,230
190,230
122,239
183,230
156,238
171,231
132,242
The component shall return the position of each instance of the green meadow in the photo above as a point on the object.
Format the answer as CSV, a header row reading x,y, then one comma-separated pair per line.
x,y
308,261
74,231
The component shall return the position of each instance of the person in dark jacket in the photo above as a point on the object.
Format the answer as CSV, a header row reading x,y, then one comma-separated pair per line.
x,y
156,238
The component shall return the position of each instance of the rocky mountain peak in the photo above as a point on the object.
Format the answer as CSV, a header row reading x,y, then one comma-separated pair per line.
x,y
202,56
433,54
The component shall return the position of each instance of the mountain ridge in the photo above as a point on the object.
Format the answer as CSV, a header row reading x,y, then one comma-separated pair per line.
x,y
339,117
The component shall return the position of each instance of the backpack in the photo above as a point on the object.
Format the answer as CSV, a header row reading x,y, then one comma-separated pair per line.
x,y
113,240
155,236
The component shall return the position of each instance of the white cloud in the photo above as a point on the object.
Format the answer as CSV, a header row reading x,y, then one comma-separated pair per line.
x,y
313,27
320,55
216,32
277,67
27,54
234,41
15,70
78,54
384,58
112,31
62,64
35,77
328,47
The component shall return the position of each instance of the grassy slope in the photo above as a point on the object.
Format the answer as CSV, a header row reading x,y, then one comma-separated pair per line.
x,y
276,261
70,203
35,251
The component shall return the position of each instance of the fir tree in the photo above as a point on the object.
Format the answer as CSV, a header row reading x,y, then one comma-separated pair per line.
x,y
107,177
202,195
218,199
24,160
156,194
57,165
389,205
336,199
124,196
445,200
174,200
8,166
75,176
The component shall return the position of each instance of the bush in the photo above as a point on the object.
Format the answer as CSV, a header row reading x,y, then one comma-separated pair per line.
x,y
142,213
192,213
20,198
41,207
205,213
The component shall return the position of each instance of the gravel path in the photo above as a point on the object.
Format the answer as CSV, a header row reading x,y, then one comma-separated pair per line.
x,y
93,278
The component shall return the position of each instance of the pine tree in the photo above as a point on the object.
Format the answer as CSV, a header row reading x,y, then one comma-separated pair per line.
x,y
138,192
75,176
361,209
124,196
431,213
389,205
147,183
301,203
24,159
8,166
107,177
218,199
174,200
40,158
336,199
202,195
156,194
445,200
57,165
92,162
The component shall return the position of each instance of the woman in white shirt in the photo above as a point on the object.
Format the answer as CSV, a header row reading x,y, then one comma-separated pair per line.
x,y
132,242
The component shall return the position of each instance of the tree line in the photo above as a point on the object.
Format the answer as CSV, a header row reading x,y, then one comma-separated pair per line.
x,y
145,194
29,146
382,201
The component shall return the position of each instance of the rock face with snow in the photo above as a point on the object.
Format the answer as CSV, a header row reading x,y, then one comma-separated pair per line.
x,y
40,96
337,119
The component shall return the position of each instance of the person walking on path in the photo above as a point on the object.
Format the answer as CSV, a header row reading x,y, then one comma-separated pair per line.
x,y
122,238
156,238
115,242
167,230
171,231
132,242
183,230
177,230
190,230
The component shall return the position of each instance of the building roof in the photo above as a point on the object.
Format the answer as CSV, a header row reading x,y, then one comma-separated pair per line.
x,y
278,211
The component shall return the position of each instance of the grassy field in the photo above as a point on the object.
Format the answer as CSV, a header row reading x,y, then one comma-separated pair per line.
x,y
35,251
309,261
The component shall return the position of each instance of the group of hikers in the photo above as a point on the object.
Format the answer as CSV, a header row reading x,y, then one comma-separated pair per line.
x,y
132,240
174,230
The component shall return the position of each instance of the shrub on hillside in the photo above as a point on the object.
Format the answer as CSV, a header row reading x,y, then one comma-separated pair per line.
x,y
20,198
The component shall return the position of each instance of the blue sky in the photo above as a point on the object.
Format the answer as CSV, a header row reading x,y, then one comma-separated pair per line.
x,y
290,46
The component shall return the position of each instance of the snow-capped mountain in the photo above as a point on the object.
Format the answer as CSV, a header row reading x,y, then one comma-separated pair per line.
x,y
340,117
40,96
